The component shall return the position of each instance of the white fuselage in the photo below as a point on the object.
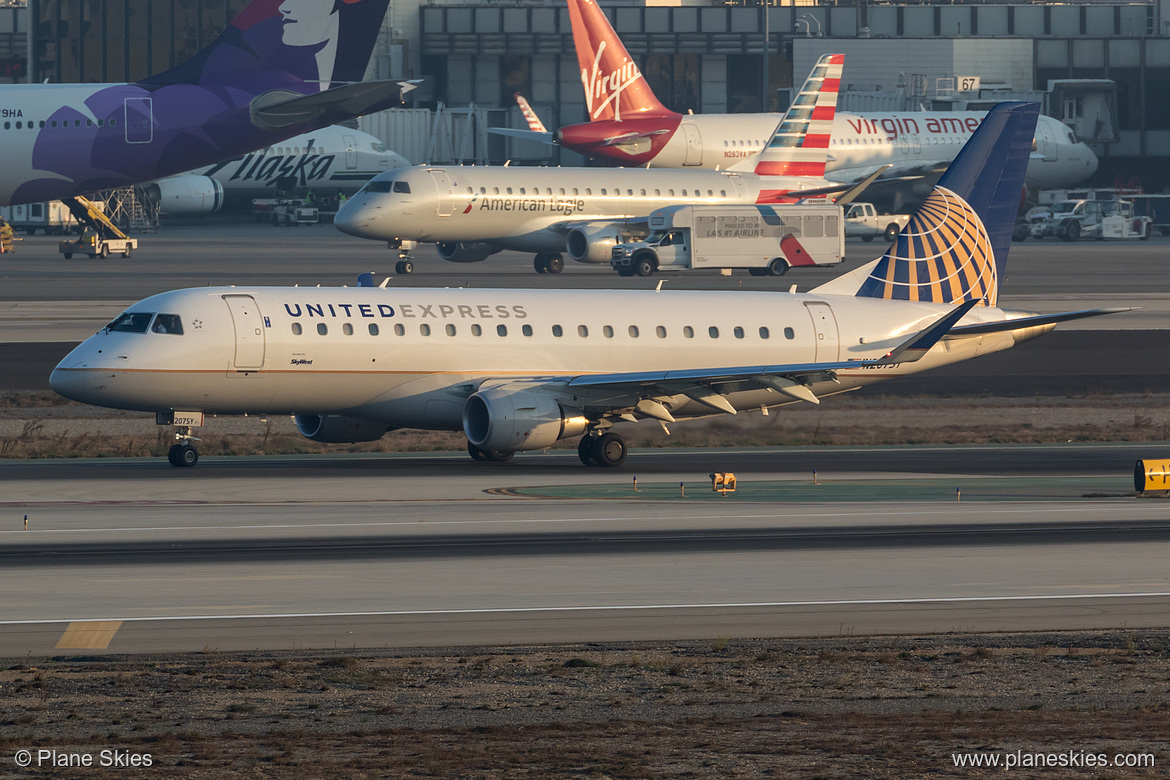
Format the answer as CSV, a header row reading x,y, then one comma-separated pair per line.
x,y
863,142
410,357
530,209
331,159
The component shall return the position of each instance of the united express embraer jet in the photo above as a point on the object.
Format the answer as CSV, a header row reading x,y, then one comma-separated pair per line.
x,y
473,212
278,70
520,370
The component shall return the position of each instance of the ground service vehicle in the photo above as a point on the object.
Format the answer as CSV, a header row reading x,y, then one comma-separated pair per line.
x,y
862,221
53,218
763,239
1071,220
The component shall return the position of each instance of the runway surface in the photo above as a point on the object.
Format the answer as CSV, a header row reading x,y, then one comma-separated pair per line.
x,y
287,553
413,550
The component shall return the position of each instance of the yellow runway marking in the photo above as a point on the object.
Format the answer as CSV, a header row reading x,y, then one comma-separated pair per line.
x,y
89,635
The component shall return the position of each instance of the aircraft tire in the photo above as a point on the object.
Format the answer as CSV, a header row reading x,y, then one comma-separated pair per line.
x,y
585,450
404,267
778,266
555,263
499,456
476,453
610,450
183,456
540,263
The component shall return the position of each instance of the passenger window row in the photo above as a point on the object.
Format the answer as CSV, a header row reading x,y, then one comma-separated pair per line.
x,y
32,125
558,331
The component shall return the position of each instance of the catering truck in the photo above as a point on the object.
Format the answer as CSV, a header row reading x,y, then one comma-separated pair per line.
x,y
766,240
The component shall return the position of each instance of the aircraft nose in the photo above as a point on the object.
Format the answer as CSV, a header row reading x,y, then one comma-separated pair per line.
x,y
355,217
1092,160
70,383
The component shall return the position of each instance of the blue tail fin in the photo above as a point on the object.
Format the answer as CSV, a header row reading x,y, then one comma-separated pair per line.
x,y
955,246
275,44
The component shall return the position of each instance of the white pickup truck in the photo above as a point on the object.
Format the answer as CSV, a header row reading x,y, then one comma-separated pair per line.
x,y
862,221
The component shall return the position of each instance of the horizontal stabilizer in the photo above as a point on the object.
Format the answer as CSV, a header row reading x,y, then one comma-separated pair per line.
x,y
1032,322
861,186
277,109
524,135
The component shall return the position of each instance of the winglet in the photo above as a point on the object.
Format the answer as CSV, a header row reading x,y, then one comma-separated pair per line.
x,y
917,346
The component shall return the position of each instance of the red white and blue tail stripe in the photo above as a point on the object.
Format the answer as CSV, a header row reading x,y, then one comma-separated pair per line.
x,y
800,145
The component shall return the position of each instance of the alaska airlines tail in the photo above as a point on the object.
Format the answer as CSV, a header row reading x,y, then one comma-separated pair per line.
x,y
614,87
800,145
955,246
275,43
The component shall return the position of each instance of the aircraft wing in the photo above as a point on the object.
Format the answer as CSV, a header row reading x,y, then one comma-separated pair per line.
x,y
639,389
277,109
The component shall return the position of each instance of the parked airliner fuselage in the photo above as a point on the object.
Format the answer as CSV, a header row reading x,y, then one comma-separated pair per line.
x,y
861,143
531,209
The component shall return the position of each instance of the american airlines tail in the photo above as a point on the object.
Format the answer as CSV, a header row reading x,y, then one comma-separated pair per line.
x,y
955,246
800,145
534,123
614,87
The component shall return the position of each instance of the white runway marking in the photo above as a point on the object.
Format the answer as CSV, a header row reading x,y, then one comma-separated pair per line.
x,y
950,508
616,607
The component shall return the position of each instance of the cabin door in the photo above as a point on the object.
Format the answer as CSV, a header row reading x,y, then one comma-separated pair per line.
x,y
350,153
694,141
446,193
249,325
825,329
138,120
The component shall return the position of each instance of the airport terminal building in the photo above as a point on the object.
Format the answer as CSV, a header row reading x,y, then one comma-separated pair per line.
x,y
1102,67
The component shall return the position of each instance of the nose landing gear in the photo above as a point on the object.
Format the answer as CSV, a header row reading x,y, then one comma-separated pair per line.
x,y
183,454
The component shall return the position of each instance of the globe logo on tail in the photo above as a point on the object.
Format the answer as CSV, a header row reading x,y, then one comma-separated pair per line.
x,y
943,255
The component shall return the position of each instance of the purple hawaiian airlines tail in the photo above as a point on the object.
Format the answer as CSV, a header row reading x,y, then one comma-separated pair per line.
x,y
282,41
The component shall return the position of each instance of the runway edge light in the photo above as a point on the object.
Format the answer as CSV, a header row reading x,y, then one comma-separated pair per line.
x,y
1151,475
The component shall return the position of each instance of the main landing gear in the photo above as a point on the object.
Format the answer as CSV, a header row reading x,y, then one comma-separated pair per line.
x,y
184,454
608,449
549,263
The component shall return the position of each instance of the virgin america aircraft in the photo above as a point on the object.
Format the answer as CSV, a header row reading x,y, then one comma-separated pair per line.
x,y
629,126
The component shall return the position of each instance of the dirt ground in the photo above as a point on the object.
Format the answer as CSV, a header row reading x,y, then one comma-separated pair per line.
x,y
891,707
43,425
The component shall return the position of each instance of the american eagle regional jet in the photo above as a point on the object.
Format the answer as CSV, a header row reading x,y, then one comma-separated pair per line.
x,y
629,126
519,370
473,212
278,70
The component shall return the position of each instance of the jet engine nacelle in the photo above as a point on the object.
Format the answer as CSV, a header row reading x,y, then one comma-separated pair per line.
x,y
460,252
337,429
506,420
594,243
186,195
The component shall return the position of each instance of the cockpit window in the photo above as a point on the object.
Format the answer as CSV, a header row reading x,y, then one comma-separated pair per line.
x,y
378,185
401,186
378,147
131,322
167,323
